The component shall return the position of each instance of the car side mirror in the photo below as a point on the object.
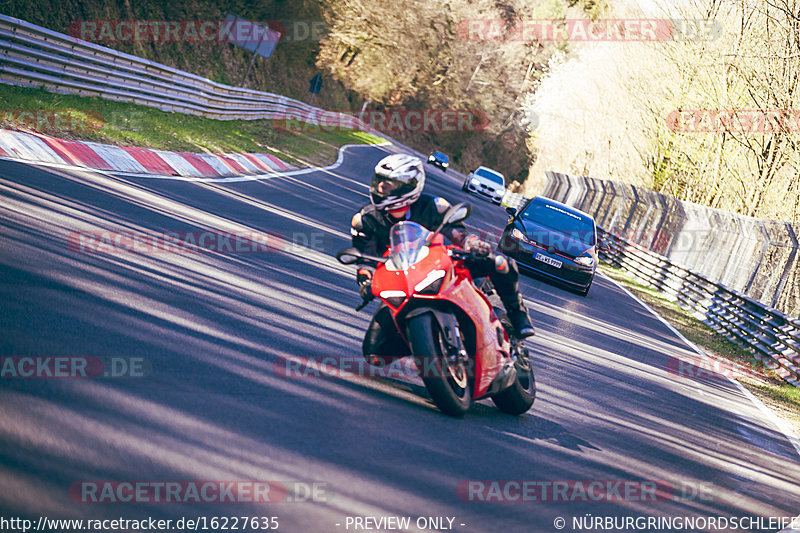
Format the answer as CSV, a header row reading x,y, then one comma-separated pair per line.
x,y
511,211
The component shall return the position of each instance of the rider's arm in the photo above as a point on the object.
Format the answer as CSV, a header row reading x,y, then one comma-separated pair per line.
x,y
457,234
364,241
433,213
363,235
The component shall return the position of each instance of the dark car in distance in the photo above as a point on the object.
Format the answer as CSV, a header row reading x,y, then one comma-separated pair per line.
x,y
440,160
554,241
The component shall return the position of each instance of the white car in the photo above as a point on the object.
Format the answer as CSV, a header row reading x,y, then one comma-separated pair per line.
x,y
486,182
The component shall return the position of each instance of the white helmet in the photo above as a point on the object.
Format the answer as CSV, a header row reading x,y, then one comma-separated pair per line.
x,y
398,181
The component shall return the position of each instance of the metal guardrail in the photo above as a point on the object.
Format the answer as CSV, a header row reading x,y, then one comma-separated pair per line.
x,y
772,336
34,56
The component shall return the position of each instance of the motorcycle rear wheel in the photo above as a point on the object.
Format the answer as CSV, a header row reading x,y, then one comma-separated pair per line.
x,y
445,377
519,397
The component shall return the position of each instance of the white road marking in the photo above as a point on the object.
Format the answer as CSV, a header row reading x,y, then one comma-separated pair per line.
x,y
772,417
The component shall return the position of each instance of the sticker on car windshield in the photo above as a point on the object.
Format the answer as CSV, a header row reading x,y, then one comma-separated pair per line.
x,y
548,260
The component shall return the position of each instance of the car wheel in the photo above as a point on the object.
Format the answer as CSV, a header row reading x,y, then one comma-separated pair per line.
x,y
585,291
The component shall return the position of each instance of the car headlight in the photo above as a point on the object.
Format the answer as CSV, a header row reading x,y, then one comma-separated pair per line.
x,y
445,164
584,260
475,182
518,235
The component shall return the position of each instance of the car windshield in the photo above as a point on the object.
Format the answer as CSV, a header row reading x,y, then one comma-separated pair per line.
x,y
406,242
441,157
553,217
492,176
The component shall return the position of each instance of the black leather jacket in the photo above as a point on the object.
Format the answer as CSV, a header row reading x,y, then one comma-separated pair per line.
x,y
370,227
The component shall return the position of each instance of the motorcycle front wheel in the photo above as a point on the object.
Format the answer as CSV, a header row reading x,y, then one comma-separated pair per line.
x,y
445,376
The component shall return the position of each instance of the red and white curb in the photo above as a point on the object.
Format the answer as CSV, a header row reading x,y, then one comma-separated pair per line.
x,y
40,148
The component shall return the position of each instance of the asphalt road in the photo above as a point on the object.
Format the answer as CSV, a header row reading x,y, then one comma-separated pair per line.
x,y
212,404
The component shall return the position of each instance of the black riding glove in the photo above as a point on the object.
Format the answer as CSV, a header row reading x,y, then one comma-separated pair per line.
x,y
473,244
364,279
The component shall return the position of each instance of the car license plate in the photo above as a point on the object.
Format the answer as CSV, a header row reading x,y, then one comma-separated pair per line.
x,y
548,260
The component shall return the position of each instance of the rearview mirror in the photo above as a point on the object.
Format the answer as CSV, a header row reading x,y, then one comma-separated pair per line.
x,y
457,213
454,215
349,256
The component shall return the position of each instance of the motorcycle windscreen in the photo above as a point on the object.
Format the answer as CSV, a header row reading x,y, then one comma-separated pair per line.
x,y
407,244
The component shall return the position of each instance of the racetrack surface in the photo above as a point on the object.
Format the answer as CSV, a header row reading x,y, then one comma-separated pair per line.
x,y
213,406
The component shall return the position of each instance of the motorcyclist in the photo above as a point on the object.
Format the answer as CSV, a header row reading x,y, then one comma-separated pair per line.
x,y
395,195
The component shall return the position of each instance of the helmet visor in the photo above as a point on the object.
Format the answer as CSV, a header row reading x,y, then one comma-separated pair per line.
x,y
384,188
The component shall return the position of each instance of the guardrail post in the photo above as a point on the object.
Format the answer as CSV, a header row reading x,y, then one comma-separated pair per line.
x,y
675,236
639,235
764,247
788,267
633,210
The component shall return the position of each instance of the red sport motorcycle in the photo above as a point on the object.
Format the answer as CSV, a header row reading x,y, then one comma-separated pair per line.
x,y
458,338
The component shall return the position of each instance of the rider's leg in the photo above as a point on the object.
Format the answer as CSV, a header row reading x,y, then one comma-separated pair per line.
x,y
507,287
506,284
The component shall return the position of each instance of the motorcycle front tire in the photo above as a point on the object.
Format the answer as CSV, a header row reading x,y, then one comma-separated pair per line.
x,y
446,381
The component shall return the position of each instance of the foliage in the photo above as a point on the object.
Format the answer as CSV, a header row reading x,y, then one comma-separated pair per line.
x,y
612,107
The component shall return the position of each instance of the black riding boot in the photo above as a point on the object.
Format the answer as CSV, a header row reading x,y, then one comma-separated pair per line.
x,y
507,288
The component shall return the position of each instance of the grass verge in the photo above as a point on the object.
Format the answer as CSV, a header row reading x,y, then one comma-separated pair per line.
x,y
124,124
781,397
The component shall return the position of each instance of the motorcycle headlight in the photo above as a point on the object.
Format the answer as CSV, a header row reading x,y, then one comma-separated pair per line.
x,y
393,298
584,260
431,284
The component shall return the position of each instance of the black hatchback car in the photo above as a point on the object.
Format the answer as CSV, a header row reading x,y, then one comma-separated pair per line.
x,y
440,160
554,241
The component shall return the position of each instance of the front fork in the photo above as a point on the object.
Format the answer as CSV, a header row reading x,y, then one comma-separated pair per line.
x,y
456,353
520,355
